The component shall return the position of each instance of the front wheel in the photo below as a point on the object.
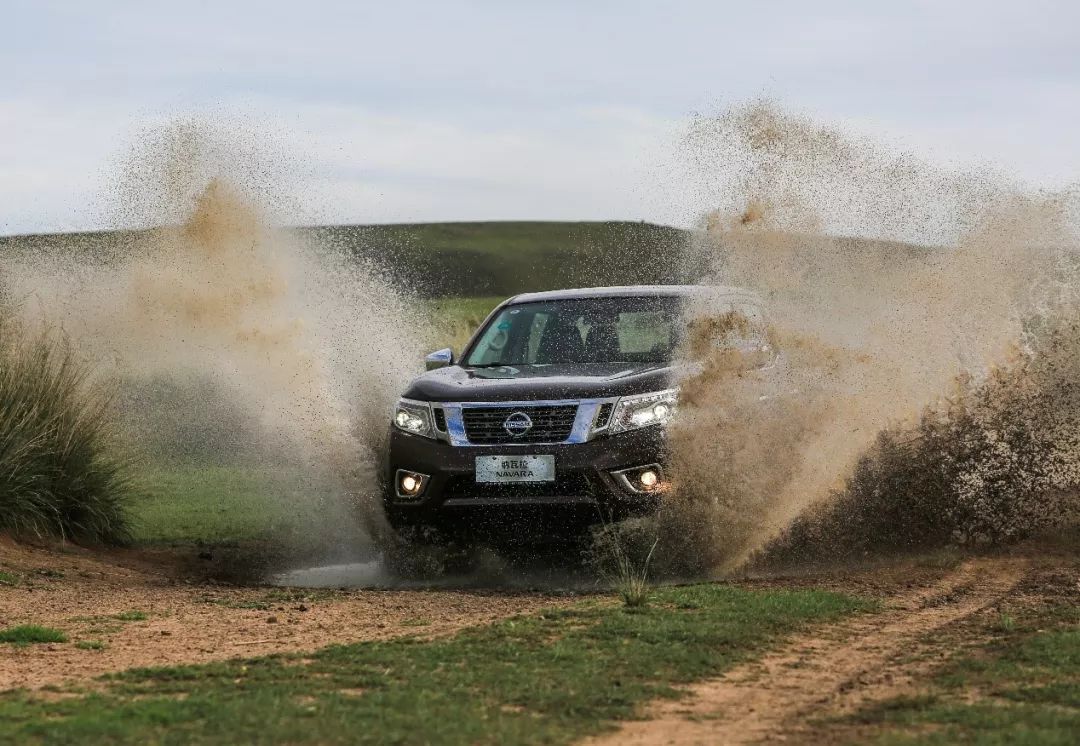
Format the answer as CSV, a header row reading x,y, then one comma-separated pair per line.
x,y
419,553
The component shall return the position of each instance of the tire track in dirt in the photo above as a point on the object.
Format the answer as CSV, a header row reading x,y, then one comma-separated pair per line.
x,y
826,672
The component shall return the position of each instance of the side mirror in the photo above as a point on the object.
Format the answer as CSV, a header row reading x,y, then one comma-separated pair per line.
x,y
439,359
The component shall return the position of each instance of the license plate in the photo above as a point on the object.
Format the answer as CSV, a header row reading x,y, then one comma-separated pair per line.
x,y
501,469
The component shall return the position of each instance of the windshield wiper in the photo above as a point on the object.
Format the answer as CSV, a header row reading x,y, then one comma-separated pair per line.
x,y
489,365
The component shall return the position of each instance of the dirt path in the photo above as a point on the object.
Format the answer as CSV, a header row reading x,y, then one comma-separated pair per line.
x,y
832,671
143,616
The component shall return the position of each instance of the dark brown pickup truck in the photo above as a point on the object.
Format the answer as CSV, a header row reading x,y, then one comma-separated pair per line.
x,y
552,420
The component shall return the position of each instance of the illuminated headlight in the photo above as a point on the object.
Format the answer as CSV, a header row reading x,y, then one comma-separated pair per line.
x,y
633,412
414,417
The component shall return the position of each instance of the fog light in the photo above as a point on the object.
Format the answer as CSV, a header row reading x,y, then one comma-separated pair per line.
x,y
648,478
410,483
640,479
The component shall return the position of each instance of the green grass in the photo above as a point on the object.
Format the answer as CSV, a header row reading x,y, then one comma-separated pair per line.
x,y
9,578
549,678
503,258
457,318
131,616
26,634
465,259
90,645
473,309
1022,689
189,503
268,509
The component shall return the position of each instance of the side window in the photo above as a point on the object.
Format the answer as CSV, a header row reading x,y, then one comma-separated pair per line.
x,y
644,331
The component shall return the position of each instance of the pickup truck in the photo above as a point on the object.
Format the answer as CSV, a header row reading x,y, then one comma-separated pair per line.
x,y
552,419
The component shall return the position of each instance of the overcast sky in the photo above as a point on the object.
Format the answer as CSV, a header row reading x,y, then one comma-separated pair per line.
x,y
417,111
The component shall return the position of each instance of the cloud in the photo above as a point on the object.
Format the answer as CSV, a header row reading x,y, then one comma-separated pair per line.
x,y
345,163
427,110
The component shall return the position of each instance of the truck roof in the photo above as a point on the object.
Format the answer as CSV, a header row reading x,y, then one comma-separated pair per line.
x,y
639,291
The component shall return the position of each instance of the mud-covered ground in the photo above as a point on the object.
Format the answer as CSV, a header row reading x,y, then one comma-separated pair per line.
x,y
149,609
125,609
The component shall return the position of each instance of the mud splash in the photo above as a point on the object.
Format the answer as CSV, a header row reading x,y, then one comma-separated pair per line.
x,y
872,326
235,342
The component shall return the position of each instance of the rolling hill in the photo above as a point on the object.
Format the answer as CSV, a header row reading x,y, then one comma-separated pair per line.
x,y
464,259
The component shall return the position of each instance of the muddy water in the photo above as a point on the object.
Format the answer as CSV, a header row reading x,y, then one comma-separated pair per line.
x,y
871,328
888,280
234,342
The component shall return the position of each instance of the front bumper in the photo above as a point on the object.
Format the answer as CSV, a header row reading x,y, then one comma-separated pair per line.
x,y
583,494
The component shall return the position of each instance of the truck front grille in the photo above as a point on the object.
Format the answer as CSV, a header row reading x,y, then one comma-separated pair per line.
x,y
603,415
550,424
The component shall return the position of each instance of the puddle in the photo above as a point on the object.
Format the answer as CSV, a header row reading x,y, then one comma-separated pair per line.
x,y
353,575
494,573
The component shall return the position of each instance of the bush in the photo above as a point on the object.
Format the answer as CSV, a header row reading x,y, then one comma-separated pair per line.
x,y
59,473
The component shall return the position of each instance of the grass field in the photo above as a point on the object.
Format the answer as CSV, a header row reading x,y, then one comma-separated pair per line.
x,y
253,520
548,678
1023,688
194,503
466,259
503,258
457,318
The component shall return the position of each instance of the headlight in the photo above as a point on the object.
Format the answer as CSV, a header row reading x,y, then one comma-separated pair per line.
x,y
643,410
414,417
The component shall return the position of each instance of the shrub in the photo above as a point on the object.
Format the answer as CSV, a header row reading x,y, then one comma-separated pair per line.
x,y
60,475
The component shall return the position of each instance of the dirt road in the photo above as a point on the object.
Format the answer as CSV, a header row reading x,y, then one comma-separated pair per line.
x,y
830,671
121,611
143,615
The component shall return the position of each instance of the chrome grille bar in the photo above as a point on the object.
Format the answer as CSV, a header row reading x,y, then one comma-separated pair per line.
x,y
584,415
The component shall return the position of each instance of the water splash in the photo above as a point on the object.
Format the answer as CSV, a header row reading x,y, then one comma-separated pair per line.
x,y
233,339
872,327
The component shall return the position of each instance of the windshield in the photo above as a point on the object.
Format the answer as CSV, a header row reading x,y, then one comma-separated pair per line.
x,y
585,330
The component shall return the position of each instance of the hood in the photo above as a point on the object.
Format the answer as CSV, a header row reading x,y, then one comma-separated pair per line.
x,y
525,382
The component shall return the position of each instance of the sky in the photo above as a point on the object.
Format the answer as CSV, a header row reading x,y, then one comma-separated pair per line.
x,y
428,111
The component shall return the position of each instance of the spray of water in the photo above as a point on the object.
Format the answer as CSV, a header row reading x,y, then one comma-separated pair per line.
x,y
887,280
234,341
